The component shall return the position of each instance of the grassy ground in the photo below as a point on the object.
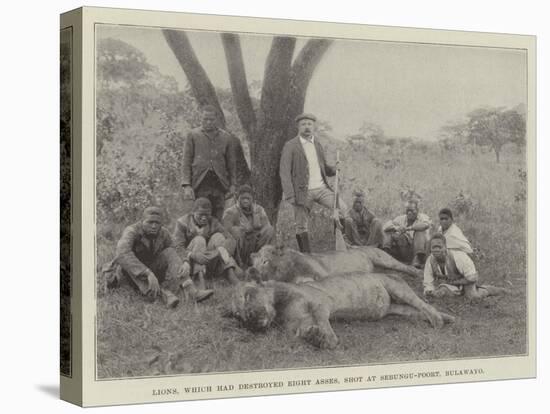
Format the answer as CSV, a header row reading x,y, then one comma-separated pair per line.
x,y
136,338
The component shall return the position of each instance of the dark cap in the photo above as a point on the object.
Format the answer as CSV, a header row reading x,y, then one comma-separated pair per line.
x,y
305,116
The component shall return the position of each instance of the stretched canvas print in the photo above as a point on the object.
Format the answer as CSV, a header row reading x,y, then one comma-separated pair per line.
x,y
255,206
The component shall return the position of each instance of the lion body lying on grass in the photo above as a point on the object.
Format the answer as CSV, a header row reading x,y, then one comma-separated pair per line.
x,y
305,309
288,265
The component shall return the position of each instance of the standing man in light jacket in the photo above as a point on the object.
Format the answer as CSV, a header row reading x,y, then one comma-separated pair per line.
x,y
304,171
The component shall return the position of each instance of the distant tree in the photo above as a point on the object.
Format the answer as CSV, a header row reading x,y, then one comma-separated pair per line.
x,y
495,127
372,132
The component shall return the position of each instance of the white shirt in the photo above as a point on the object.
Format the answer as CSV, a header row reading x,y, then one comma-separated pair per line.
x,y
315,177
456,240
402,221
464,265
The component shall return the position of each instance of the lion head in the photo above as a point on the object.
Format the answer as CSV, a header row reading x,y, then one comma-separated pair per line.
x,y
253,304
270,262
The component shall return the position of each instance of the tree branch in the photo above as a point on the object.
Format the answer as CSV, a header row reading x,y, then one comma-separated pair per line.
x,y
275,89
202,88
239,84
302,71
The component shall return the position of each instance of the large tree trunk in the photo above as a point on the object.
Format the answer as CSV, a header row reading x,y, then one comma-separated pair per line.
x,y
266,148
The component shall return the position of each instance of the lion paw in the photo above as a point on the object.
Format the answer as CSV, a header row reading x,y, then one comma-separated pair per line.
x,y
315,336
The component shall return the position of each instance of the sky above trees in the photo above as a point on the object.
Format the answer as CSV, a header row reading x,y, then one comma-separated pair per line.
x,y
407,89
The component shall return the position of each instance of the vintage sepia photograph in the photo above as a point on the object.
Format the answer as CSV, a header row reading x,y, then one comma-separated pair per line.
x,y
269,202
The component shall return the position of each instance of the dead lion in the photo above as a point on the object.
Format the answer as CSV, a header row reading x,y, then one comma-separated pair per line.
x,y
287,265
304,310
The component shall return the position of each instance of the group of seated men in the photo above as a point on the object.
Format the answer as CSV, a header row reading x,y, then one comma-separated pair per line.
x,y
161,264
448,268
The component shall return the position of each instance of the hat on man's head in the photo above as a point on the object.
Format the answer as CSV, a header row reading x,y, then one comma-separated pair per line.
x,y
202,205
245,188
152,212
305,116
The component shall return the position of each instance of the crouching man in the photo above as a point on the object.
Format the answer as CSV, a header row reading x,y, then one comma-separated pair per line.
x,y
202,241
449,273
146,255
249,225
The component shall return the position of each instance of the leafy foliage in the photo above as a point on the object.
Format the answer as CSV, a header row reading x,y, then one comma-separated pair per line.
x,y
486,127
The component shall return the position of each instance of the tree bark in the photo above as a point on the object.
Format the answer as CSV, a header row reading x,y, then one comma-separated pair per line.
x,y
302,71
266,148
239,84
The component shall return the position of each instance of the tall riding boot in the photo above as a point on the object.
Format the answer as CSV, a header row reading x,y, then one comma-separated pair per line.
x,y
198,295
303,242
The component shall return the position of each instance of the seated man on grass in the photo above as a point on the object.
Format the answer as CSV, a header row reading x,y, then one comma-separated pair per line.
x,y
450,273
362,228
145,254
249,225
406,237
202,241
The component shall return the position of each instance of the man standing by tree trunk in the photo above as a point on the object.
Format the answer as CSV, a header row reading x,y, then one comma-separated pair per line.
x,y
304,172
209,167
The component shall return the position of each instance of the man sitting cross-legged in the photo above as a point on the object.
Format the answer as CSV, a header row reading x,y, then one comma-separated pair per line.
x,y
249,225
145,254
449,273
203,242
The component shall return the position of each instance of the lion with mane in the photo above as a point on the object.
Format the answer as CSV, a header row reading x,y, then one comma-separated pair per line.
x,y
305,309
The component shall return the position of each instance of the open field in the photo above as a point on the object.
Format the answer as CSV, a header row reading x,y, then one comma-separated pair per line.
x,y
135,338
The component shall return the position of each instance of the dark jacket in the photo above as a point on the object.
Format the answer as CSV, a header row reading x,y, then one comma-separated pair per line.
x,y
202,153
234,217
136,253
294,170
187,229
